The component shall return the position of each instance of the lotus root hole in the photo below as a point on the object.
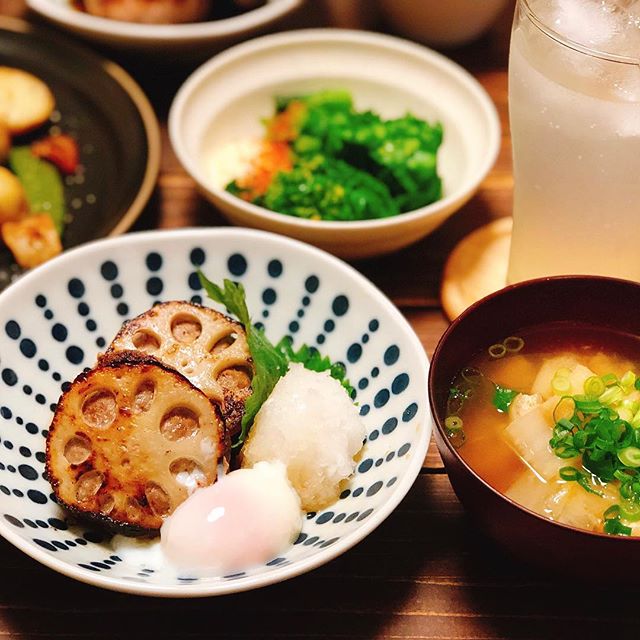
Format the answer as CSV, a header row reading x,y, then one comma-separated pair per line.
x,y
133,509
146,341
179,423
106,503
186,328
88,485
144,396
77,449
158,499
99,409
235,378
224,343
188,473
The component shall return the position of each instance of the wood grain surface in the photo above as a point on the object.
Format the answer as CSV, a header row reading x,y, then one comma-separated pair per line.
x,y
427,572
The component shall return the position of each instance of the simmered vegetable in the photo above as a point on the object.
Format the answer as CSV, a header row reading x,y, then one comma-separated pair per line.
x,y
205,346
130,440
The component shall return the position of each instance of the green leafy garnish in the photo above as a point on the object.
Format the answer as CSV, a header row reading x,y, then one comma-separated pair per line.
x,y
270,362
313,360
42,184
503,397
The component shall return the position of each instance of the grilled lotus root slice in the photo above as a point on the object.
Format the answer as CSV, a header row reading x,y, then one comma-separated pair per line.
x,y
205,346
130,440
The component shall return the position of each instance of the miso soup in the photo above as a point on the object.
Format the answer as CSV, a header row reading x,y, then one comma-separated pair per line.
x,y
551,418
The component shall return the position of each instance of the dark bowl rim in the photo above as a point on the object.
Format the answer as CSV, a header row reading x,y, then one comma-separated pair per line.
x,y
474,308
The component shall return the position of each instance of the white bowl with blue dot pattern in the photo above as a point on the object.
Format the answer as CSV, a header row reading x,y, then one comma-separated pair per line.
x,y
56,319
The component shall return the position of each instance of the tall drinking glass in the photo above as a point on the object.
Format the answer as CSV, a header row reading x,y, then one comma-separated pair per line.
x,y
574,99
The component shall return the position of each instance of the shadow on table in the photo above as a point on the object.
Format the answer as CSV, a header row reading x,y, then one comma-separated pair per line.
x,y
509,599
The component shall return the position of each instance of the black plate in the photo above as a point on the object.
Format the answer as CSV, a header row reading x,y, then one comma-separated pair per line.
x,y
108,114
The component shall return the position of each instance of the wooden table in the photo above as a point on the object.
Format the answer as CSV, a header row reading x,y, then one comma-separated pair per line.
x,y
426,572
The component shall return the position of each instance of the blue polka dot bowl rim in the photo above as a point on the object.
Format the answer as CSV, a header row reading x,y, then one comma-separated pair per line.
x,y
57,318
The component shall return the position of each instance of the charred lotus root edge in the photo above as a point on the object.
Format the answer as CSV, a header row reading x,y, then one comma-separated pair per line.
x,y
207,347
130,440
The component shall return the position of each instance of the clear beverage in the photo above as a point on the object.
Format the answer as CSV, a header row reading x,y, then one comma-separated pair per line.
x,y
574,99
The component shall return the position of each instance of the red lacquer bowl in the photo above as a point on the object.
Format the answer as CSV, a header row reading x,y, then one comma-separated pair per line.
x,y
602,302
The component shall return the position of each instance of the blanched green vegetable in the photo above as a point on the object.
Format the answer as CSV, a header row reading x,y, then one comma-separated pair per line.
x,y
348,165
42,184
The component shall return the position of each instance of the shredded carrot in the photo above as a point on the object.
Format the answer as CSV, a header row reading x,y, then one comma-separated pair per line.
x,y
285,126
273,158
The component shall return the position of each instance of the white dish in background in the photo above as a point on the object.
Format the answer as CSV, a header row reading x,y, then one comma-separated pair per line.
x,y
196,39
56,318
225,99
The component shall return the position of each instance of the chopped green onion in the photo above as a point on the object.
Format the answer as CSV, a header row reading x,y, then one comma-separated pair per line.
x,y
609,379
630,404
624,475
612,395
453,423
612,512
630,510
565,409
628,379
472,375
594,387
625,414
616,528
513,344
630,457
497,351
570,474
454,404
560,384
587,405
457,438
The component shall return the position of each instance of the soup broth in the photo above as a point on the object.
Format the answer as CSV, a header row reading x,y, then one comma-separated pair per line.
x,y
551,419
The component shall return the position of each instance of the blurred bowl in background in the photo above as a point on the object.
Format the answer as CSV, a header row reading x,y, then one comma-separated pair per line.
x,y
441,23
195,40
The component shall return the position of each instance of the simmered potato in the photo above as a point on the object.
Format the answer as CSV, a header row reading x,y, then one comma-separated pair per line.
x,y
26,102
130,441
13,200
158,11
32,240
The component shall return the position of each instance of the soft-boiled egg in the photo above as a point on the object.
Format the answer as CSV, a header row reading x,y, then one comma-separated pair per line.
x,y
246,518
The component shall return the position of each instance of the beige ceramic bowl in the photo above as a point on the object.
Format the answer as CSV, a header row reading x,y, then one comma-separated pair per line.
x,y
226,99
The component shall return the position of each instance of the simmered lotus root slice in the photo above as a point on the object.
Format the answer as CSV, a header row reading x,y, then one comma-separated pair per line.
x,y
130,440
205,346
26,102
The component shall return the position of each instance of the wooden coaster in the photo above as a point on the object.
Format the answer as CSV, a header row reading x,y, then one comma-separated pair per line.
x,y
476,267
